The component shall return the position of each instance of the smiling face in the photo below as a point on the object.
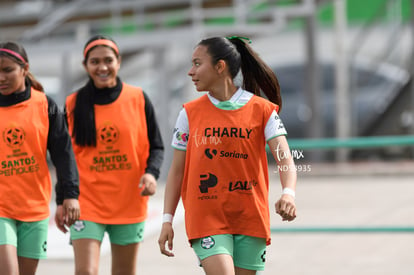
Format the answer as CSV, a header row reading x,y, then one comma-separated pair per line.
x,y
203,73
12,76
102,65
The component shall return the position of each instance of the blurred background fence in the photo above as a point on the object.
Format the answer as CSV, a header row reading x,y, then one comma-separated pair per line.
x,y
345,66
346,72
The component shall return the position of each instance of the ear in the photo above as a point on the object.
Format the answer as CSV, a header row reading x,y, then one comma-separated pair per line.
x,y
119,61
26,69
221,66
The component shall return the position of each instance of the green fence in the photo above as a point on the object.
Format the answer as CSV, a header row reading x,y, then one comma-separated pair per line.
x,y
358,12
356,229
356,142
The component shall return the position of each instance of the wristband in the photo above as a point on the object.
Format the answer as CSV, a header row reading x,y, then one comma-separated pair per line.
x,y
167,218
288,191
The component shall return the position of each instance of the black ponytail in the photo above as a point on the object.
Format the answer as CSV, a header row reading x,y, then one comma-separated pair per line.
x,y
258,77
84,129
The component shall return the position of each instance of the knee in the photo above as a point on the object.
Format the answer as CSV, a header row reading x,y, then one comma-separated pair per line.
x,y
86,271
123,271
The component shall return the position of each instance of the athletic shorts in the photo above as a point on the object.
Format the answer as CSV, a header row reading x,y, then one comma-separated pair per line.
x,y
247,252
121,234
30,238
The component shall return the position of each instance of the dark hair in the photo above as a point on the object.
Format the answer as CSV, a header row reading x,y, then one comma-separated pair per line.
x,y
22,52
84,128
97,37
257,75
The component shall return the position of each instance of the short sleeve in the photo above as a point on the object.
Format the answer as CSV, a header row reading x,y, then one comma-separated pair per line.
x,y
181,131
274,127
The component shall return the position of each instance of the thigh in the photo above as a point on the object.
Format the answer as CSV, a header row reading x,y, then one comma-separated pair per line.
x,y
8,232
218,264
8,259
125,239
87,254
86,238
125,234
22,244
249,253
124,259
213,245
215,253
27,266
32,241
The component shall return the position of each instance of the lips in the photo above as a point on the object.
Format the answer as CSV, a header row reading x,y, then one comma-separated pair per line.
x,y
103,76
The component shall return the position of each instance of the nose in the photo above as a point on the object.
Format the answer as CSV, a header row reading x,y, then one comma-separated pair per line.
x,y
102,66
191,71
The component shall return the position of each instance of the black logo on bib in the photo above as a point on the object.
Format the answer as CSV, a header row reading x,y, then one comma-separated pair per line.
x,y
108,134
14,137
209,153
207,181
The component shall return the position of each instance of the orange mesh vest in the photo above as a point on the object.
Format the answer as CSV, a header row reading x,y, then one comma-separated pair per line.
x,y
25,184
225,185
109,173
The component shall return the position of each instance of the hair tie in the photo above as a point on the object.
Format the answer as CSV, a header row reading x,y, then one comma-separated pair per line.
x,y
14,54
240,38
101,42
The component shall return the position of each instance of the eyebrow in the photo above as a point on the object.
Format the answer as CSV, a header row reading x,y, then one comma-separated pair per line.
x,y
101,57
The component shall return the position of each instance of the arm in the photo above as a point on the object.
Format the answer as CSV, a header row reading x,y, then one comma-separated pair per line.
x,y
156,153
61,153
285,206
171,199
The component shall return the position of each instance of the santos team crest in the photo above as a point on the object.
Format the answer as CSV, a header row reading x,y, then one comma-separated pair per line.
x,y
79,226
207,242
14,136
108,133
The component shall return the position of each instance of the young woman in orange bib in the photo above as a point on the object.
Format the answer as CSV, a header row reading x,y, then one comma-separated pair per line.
x,y
219,167
119,151
31,125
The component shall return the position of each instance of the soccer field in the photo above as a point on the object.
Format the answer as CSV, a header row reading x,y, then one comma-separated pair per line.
x,y
373,196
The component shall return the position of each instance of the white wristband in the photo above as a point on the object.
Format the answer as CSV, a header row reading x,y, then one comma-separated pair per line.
x,y
288,191
167,218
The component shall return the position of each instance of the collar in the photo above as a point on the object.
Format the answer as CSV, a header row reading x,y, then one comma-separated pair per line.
x,y
105,95
237,100
16,97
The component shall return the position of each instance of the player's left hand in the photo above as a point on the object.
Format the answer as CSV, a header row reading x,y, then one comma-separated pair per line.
x,y
149,183
286,207
67,213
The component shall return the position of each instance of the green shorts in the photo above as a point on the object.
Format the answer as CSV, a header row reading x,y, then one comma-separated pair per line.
x,y
247,252
121,234
30,238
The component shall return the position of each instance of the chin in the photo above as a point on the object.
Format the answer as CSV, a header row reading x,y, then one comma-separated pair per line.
x,y
105,84
100,85
5,93
199,89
